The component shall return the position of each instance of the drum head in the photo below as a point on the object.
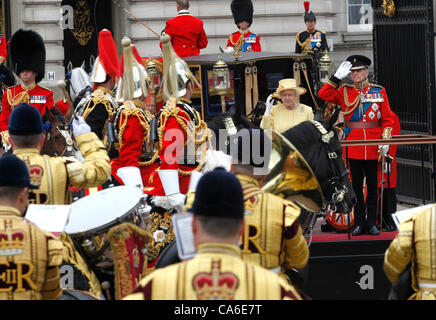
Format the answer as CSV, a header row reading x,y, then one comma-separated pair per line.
x,y
102,209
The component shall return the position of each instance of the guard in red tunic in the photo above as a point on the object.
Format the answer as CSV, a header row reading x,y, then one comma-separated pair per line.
x,y
244,39
367,116
137,155
186,32
389,181
28,60
182,136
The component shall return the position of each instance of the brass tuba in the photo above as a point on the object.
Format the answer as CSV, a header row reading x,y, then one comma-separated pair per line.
x,y
290,176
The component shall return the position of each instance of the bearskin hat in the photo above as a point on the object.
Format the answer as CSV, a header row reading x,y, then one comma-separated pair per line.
x,y
308,15
28,53
242,10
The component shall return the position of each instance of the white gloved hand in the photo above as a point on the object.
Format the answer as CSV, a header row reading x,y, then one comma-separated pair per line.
x,y
177,201
269,105
80,126
228,50
383,149
343,70
195,177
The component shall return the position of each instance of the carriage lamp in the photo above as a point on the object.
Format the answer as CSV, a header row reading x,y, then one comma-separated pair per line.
x,y
154,74
325,67
221,81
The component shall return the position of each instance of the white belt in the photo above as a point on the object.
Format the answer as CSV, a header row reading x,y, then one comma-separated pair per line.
x,y
275,270
427,285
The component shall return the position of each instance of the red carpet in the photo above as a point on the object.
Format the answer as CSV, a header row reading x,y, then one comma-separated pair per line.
x,y
344,236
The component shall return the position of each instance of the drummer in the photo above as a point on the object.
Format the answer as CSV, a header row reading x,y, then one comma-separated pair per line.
x,y
53,175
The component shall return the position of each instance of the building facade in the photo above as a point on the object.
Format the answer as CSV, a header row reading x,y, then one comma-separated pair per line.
x,y
70,27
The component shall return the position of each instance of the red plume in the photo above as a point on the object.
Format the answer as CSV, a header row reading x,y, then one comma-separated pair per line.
x,y
306,5
107,52
3,49
135,54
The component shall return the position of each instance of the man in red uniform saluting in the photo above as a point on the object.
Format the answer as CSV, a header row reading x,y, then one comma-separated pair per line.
x,y
186,32
28,60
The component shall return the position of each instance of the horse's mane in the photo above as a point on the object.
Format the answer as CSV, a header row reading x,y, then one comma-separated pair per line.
x,y
303,136
59,115
235,114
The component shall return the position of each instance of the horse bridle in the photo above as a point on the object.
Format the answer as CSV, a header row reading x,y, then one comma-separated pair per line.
x,y
336,182
64,130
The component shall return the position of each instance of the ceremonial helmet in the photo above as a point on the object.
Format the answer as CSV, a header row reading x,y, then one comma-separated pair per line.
x,y
133,81
107,63
242,10
176,73
28,53
308,15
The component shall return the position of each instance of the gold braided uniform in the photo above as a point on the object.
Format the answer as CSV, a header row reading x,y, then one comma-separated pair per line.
x,y
273,237
415,243
29,259
217,272
56,174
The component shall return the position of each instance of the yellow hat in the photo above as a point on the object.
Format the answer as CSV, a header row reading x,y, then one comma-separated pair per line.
x,y
289,84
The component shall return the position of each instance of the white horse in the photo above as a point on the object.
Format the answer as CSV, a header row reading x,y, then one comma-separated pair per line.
x,y
80,87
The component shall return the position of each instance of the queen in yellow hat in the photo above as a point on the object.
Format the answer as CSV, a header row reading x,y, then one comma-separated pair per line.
x,y
290,112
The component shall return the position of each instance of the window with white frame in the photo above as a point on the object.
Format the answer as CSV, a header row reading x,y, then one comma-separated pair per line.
x,y
359,14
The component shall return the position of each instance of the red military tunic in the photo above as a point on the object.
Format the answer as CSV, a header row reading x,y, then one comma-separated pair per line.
x,y
365,119
35,95
173,140
62,106
133,129
187,34
251,41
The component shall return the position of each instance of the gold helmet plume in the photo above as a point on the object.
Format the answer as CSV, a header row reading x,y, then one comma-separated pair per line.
x,y
176,73
133,82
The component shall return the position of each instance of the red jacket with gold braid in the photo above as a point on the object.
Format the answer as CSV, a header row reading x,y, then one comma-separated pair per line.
x,y
187,34
174,120
133,130
367,115
35,95
251,41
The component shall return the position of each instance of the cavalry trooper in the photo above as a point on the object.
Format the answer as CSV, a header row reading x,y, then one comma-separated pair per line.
x,y
182,139
29,257
28,60
137,154
100,107
217,272
54,175
244,39
413,247
272,237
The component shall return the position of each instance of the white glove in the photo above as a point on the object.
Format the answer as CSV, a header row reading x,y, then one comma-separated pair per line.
x,y
228,50
195,177
343,70
177,201
131,176
80,126
269,105
383,149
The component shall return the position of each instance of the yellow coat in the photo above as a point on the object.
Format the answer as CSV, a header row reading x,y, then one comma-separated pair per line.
x,y
281,118
415,242
29,259
217,272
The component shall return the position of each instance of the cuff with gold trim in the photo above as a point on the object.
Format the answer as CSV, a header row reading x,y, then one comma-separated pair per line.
x,y
334,82
387,133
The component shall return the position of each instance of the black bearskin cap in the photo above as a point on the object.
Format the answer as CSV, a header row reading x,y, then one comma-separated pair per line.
x,y
242,10
28,53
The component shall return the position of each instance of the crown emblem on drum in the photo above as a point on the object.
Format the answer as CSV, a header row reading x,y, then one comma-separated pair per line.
x,y
36,173
215,285
11,242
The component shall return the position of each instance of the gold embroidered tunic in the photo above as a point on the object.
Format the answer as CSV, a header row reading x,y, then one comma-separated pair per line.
x,y
29,259
217,272
415,243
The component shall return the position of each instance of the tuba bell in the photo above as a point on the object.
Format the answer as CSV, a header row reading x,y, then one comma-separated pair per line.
x,y
290,176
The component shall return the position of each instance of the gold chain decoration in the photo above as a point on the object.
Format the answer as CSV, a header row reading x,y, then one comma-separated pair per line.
x,y
304,44
99,98
353,104
171,110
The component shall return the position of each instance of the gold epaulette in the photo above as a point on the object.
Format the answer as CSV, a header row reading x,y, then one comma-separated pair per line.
x,y
292,212
45,88
322,31
347,85
376,85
